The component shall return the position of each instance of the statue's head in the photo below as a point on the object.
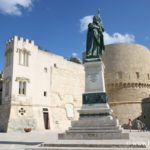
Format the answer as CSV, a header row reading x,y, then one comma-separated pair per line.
x,y
96,19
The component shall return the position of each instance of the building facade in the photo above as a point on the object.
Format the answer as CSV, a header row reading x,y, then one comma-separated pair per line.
x,y
41,90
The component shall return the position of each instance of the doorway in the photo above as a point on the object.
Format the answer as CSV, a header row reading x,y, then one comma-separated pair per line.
x,y
46,119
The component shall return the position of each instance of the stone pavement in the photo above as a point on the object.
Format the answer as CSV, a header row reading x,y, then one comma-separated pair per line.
x,y
21,140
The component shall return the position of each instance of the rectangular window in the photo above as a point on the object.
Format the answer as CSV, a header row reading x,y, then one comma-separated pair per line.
x,y
26,59
55,65
45,69
148,76
45,93
22,87
23,58
137,75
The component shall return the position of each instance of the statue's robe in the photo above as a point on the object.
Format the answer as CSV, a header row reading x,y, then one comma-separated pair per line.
x,y
94,43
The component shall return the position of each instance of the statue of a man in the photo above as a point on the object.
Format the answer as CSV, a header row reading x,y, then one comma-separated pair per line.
x,y
95,42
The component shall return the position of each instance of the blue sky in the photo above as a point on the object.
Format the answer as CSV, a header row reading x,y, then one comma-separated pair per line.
x,y
60,25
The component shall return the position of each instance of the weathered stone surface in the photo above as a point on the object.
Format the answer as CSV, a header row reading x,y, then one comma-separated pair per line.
x,y
94,77
91,145
127,79
95,123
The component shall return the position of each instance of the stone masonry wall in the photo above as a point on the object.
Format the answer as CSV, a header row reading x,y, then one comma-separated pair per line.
x,y
127,76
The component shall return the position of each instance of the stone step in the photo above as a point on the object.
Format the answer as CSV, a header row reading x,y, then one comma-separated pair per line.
x,y
72,148
67,145
96,117
94,131
93,123
102,145
69,135
96,128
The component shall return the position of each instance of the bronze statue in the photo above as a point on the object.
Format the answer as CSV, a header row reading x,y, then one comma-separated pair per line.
x,y
95,41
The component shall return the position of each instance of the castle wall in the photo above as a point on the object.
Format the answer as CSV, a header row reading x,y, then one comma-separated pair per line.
x,y
54,87
127,76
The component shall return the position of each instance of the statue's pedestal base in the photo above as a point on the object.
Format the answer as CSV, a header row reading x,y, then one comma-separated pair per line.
x,y
95,123
95,120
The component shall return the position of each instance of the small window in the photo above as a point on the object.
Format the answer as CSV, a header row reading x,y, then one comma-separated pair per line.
x,y
148,76
45,69
26,57
45,109
23,58
137,75
22,87
20,84
55,65
45,93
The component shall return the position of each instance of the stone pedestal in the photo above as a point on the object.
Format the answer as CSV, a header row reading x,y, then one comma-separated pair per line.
x,y
94,83
94,77
95,121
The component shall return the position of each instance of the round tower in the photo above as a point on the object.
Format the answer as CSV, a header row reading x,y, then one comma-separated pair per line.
x,y
127,76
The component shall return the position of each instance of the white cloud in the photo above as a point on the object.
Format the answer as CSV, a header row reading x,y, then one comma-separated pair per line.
x,y
84,22
118,38
74,54
13,7
108,39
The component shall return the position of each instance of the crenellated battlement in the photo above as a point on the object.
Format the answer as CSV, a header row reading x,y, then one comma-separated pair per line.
x,y
20,39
